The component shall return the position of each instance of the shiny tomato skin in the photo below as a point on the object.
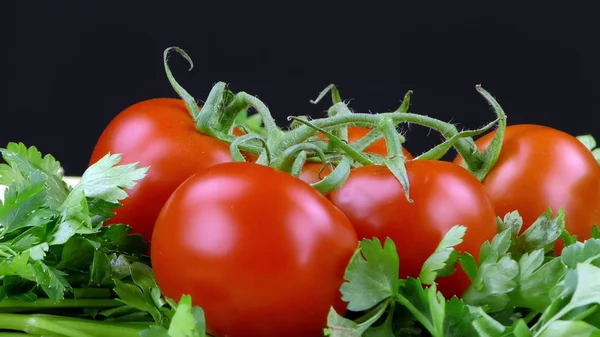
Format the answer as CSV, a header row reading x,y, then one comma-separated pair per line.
x,y
262,252
159,133
539,168
444,195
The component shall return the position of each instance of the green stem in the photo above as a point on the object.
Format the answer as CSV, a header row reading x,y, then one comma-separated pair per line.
x,y
205,120
394,146
349,150
490,155
336,178
33,324
202,117
236,154
299,164
339,108
287,159
231,112
465,146
530,316
335,94
268,121
441,149
368,140
405,103
418,315
46,303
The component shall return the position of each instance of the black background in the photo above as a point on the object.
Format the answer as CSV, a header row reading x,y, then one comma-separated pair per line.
x,y
70,66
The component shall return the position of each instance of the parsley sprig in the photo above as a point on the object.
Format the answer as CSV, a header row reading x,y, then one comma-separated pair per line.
x,y
63,273
519,287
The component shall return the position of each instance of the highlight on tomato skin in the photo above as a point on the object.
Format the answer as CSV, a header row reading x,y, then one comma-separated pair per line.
x,y
259,250
539,168
444,195
159,133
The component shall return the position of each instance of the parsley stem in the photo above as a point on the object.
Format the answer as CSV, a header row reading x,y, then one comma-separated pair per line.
x,y
12,305
530,316
418,315
66,326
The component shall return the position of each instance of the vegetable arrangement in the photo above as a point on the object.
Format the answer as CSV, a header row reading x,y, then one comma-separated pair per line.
x,y
211,221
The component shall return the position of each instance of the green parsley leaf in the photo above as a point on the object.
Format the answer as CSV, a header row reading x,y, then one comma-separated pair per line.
x,y
107,182
590,142
456,319
535,280
188,321
579,296
339,326
579,252
438,260
21,201
571,328
51,280
372,275
495,276
26,162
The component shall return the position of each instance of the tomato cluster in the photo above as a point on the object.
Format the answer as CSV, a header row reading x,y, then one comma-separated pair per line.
x,y
264,252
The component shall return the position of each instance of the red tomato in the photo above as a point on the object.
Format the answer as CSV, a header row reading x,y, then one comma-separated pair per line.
x,y
263,253
159,133
444,195
310,171
540,168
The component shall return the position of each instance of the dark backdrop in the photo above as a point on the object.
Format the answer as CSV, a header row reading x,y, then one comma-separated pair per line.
x,y
70,66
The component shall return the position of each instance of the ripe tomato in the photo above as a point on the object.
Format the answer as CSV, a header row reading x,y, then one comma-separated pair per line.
x,y
540,168
159,133
310,171
260,259
444,195
313,172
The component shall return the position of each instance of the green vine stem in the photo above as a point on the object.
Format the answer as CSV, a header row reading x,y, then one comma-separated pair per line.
x,y
286,161
235,111
441,149
489,156
477,162
202,117
345,147
208,118
221,110
394,145
339,108
405,102
336,178
335,94
299,164
237,155
395,160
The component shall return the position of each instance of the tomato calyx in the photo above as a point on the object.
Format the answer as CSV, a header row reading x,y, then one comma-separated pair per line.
x,y
481,162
